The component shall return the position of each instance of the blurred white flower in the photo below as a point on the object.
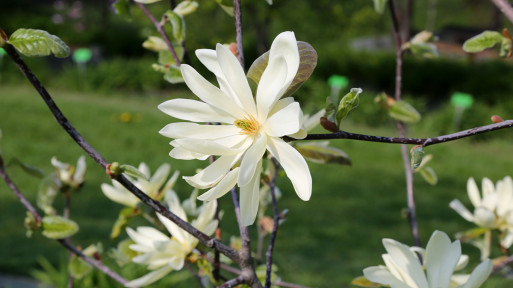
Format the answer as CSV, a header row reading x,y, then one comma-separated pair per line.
x,y
251,127
156,187
162,253
492,210
441,258
69,175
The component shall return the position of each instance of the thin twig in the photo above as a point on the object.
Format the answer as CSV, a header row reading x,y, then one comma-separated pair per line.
x,y
412,218
161,32
155,205
505,8
238,31
194,273
276,218
233,282
18,193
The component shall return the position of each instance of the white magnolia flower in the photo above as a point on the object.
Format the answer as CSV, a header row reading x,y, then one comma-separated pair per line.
x,y
441,258
69,175
492,210
251,125
162,253
154,187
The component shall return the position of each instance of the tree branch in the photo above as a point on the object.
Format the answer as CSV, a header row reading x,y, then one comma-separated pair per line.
x,y
412,217
401,140
505,8
276,218
238,31
161,32
155,205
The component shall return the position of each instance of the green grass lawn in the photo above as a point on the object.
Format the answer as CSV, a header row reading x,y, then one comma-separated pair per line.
x,y
324,243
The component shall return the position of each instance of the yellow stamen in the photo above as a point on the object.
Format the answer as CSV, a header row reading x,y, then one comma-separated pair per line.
x,y
248,125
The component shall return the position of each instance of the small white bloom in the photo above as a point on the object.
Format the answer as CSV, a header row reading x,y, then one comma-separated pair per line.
x,y
69,175
251,126
154,187
441,258
492,209
162,253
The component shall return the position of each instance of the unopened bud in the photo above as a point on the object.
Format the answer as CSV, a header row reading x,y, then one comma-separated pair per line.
x,y
328,125
497,119
113,169
233,48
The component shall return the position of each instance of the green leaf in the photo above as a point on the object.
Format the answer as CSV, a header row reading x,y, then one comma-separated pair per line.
x,y
78,268
123,218
429,175
426,50
155,44
320,152
178,25
31,170
417,153
478,43
57,227
402,111
132,171
174,75
166,58
47,191
364,282
379,6
307,63
505,47
348,103
33,42
186,7
122,7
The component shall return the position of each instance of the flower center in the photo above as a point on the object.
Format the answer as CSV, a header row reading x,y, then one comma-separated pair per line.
x,y
249,126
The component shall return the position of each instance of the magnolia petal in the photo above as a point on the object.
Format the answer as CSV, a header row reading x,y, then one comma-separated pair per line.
x,y
209,176
175,231
294,165
209,147
208,92
196,131
250,160
441,259
80,170
505,193
236,78
271,86
227,183
250,198
284,122
280,104
208,211
397,271
460,208
285,45
379,274
406,261
195,111
119,196
479,275
487,187
490,201
208,57
150,277
184,154
311,121
507,240
484,217
473,192
301,134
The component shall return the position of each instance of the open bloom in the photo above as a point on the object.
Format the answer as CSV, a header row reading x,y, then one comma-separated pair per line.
x,y
492,210
155,187
441,258
162,253
251,126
